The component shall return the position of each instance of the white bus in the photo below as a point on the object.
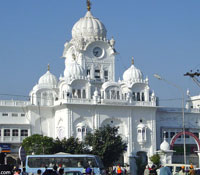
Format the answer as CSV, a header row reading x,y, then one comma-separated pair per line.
x,y
70,162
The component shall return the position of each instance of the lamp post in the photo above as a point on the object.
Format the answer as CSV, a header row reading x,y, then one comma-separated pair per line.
x,y
183,115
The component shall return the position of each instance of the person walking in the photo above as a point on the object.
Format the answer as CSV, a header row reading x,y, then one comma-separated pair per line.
x,y
165,171
191,170
17,171
119,170
24,171
61,171
146,171
55,170
39,172
182,171
153,170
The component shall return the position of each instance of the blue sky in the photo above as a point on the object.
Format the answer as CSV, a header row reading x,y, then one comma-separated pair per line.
x,y
163,36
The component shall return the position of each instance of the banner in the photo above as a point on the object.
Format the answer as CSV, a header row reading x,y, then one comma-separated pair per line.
x,y
5,148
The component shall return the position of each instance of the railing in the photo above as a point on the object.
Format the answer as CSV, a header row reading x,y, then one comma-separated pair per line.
x,y
125,102
14,103
12,139
194,110
74,101
104,101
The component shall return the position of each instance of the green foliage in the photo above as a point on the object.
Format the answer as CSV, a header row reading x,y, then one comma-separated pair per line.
x,y
38,144
107,144
73,146
155,159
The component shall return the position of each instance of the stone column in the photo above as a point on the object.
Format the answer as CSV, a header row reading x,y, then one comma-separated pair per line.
x,y
198,152
146,94
165,156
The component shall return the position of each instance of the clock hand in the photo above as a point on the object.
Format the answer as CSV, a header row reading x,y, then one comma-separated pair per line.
x,y
96,53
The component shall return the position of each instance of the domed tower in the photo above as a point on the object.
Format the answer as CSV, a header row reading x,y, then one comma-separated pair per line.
x,y
135,87
45,92
132,74
165,152
94,53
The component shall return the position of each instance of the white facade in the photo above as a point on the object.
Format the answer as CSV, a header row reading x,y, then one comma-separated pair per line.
x,y
87,97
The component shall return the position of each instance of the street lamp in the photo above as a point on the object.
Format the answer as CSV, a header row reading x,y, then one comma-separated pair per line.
x,y
183,115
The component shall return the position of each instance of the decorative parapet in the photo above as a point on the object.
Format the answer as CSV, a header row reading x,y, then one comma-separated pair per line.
x,y
14,103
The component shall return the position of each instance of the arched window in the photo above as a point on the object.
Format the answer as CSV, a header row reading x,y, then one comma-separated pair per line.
x,y
81,132
142,96
83,129
141,133
118,95
133,96
108,94
84,94
138,96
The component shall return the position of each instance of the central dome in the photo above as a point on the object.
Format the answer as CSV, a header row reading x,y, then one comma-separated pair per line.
x,y
88,27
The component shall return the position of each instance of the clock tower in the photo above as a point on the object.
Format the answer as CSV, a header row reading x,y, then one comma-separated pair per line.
x,y
91,49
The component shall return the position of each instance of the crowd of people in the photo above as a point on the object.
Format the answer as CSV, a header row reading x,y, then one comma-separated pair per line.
x,y
164,170
52,171
118,170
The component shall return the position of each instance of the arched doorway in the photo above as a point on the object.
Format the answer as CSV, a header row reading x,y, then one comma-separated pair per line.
x,y
187,133
141,161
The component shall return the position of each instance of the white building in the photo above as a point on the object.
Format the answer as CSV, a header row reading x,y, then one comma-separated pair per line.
x,y
87,97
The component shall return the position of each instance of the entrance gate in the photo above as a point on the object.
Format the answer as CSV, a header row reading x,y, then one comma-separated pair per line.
x,y
190,134
186,133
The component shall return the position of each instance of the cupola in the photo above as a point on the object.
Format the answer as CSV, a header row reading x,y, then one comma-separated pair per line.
x,y
88,27
164,146
48,79
132,74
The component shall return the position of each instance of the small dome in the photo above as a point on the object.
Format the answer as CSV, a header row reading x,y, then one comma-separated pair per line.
x,y
74,70
48,79
164,146
88,27
132,74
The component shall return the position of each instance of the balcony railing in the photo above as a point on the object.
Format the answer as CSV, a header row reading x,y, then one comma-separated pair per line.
x,y
104,101
14,103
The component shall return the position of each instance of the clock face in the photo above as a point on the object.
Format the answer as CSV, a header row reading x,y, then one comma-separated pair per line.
x,y
97,52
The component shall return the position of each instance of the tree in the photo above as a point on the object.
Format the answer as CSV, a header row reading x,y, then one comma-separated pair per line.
x,y
73,146
38,144
155,159
107,144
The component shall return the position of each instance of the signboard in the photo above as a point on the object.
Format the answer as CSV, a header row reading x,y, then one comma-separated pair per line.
x,y
5,148
5,170
22,153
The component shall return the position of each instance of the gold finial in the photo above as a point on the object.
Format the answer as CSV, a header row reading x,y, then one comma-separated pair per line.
x,y
88,5
132,61
48,67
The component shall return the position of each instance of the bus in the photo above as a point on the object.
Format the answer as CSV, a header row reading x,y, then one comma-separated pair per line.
x,y
70,162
